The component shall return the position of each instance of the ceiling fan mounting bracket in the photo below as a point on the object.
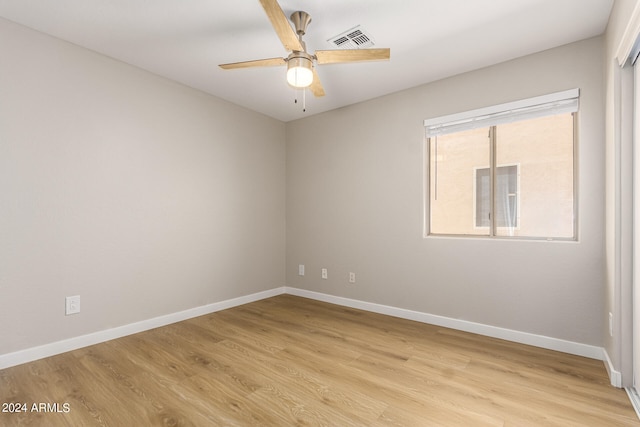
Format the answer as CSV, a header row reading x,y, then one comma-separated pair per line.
x,y
301,21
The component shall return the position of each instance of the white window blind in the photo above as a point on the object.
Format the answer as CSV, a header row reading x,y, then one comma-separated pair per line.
x,y
540,106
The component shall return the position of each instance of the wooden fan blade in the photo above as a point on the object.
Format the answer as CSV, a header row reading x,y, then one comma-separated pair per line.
x,y
281,25
270,62
316,87
351,55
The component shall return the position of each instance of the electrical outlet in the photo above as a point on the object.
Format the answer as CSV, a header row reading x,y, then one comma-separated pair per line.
x,y
72,305
325,274
352,277
301,270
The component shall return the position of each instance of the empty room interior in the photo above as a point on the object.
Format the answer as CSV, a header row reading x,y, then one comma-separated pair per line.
x,y
339,213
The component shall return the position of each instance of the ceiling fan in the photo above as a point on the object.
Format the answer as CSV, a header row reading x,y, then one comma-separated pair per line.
x,y
301,71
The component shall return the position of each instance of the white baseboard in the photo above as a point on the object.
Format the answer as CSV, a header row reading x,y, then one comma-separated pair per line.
x,y
634,398
570,347
35,353
31,354
614,376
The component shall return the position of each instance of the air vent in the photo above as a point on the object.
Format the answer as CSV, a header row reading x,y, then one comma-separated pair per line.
x,y
355,38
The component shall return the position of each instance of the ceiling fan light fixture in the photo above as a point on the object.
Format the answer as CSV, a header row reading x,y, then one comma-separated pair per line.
x,y
299,71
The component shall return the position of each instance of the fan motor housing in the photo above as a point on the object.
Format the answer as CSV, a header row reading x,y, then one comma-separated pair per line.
x,y
297,54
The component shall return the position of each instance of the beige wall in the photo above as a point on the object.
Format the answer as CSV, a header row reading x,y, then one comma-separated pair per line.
x,y
140,195
355,203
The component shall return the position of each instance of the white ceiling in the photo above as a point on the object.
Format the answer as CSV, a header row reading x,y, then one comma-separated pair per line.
x,y
185,40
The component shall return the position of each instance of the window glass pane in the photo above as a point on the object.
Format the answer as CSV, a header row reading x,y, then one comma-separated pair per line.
x,y
539,203
453,160
506,188
506,207
483,200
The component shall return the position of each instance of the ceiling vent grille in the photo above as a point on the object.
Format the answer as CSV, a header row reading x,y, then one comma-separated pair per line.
x,y
355,38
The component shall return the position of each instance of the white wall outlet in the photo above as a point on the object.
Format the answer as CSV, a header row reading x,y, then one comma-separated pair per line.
x,y
325,274
72,305
301,270
352,277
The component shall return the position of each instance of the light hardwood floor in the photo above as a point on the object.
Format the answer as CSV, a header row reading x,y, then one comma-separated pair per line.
x,y
290,361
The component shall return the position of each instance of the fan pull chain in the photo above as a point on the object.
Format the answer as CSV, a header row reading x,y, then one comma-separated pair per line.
x,y
304,100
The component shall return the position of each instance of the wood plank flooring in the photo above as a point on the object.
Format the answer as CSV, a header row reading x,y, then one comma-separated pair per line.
x,y
290,361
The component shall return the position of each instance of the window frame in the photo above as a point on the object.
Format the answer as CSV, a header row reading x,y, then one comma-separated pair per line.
x,y
427,226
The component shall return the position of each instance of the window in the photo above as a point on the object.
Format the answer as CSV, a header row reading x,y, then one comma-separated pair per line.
x,y
507,171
